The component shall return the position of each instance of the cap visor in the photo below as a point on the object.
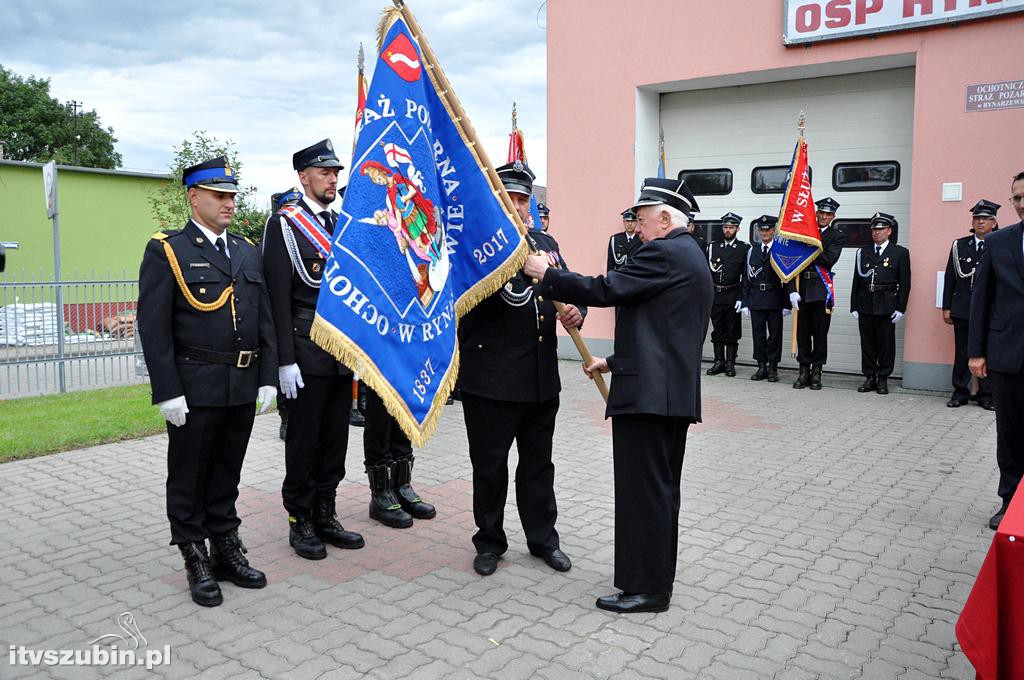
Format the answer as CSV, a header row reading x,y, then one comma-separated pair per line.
x,y
331,163
219,188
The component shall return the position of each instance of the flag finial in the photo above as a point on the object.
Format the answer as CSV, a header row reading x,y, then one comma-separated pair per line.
x,y
361,59
513,115
802,122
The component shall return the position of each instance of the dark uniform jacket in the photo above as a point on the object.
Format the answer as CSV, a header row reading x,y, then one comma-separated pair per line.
x,y
621,249
959,280
507,343
292,300
761,287
169,325
997,304
663,298
812,289
881,285
727,263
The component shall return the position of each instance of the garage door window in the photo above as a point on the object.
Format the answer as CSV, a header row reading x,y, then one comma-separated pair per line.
x,y
716,182
771,179
709,230
866,176
858,232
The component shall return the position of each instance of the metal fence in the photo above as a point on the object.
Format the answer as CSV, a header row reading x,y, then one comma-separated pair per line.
x,y
85,342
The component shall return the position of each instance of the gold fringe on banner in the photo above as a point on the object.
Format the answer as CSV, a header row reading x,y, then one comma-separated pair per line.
x,y
349,353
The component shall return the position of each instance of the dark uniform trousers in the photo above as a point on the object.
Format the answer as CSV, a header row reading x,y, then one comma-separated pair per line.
x,y
877,344
383,440
961,373
812,333
316,441
202,490
726,324
648,462
1008,391
491,426
766,331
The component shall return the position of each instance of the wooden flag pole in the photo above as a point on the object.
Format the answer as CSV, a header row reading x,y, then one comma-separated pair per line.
x,y
462,120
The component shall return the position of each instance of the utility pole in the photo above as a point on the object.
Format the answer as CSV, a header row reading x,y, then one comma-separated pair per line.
x,y
74,106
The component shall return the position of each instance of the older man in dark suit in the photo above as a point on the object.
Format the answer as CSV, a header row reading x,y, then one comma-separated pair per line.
x,y
663,299
995,343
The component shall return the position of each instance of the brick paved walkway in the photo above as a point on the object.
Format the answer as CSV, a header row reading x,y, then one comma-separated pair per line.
x,y
846,557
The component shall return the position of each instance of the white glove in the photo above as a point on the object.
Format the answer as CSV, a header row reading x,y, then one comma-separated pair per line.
x,y
896,316
174,410
290,378
856,315
265,395
787,312
794,299
746,311
739,305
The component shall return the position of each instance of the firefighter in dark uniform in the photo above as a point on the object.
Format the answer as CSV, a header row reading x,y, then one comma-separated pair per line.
x,y
964,257
509,381
727,259
765,301
545,216
878,300
623,244
208,338
317,387
278,201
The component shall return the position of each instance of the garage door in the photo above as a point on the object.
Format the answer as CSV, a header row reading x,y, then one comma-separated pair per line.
x,y
862,123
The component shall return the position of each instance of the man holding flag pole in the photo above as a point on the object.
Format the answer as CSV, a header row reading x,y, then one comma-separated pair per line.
x,y
805,252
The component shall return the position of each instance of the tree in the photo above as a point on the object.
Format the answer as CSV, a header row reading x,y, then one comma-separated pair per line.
x,y
170,202
36,127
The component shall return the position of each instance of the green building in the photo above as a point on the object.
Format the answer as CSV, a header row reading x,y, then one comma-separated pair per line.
x,y
105,220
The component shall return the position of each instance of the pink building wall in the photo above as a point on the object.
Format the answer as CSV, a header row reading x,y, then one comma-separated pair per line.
x,y
601,51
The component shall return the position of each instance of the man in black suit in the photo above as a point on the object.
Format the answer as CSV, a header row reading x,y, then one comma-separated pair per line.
x,y
509,383
727,259
995,343
765,301
317,387
964,258
878,300
814,300
622,245
208,338
655,390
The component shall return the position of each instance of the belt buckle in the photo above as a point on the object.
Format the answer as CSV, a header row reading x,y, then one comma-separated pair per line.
x,y
244,359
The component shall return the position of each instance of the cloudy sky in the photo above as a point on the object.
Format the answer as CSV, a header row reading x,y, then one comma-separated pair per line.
x,y
271,76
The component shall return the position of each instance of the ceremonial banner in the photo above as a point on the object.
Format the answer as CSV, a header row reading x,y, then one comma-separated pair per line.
x,y
797,238
422,236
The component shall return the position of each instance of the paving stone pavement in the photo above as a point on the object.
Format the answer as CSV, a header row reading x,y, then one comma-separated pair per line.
x,y
823,535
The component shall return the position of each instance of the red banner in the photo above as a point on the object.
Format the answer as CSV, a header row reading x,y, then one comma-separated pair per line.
x,y
798,220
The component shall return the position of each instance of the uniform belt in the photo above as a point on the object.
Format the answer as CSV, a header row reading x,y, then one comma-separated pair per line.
x,y
768,286
240,359
722,288
872,287
303,313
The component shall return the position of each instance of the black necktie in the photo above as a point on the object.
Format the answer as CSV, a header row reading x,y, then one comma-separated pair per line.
x,y
764,249
981,247
878,250
221,246
328,218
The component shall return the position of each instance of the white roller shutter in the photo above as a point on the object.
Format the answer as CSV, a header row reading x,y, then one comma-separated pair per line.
x,y
850,118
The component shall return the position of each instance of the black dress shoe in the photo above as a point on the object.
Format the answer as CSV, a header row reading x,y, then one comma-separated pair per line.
x,y
634,603
987,403
956,402
302,537
870,384
228,562
993,523
557,560
485,563
883,386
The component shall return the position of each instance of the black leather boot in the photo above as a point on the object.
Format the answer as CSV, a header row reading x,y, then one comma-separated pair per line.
x,y
201,584
228,563
870,384
719,365
816,377
883,385
384,505
804,378
355,418
730,361
409,499
773,371
302,537
328,528
762,371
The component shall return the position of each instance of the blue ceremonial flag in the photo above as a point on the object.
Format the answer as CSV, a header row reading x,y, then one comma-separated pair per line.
x,y
535,214
422,236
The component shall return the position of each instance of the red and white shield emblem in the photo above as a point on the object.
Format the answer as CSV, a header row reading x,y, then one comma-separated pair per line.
x,y
401,56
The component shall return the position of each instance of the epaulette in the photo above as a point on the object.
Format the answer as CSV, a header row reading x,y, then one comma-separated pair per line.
x,y
249,241
161,235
